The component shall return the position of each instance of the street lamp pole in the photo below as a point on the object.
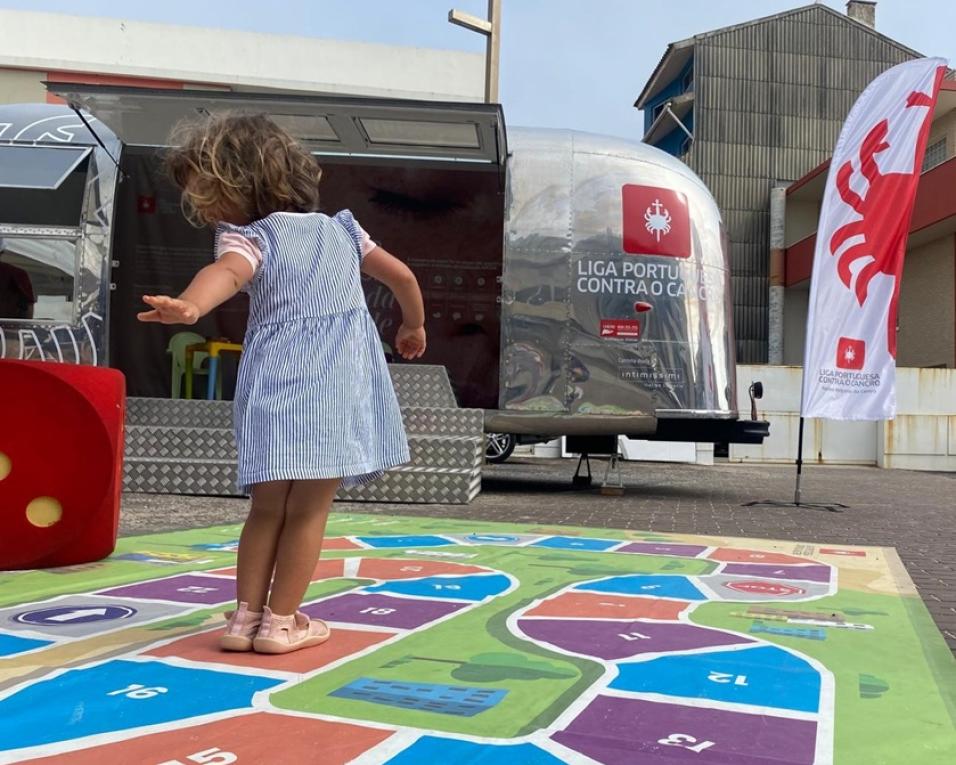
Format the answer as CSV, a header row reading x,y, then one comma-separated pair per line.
x,y
491,29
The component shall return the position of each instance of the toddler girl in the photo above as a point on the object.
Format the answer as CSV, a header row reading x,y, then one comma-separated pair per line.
x,y
314,406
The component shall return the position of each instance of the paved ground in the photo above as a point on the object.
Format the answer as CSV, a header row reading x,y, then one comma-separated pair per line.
x,y
913,512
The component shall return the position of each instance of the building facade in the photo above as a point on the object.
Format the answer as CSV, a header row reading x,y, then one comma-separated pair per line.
x,y
764,102
41,47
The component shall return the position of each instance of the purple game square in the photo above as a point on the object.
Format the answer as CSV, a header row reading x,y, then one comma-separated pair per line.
x,y
619,640
188,588
616,731
382,610
806,573
663,548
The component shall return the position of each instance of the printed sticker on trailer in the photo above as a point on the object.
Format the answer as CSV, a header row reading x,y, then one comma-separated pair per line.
x,y
621,329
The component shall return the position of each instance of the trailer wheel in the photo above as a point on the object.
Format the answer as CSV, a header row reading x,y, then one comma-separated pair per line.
x,y
499,446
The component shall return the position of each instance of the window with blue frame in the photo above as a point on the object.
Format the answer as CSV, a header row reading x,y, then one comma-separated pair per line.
x,y
687,80
682,83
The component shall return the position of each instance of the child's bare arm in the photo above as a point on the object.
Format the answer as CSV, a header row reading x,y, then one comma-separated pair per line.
x,y
210,288
386,268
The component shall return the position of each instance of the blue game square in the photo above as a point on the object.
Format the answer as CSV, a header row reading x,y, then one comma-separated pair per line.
x,y
435,749
474,587
578,543
765,676
649,585
409,541
120,695
10,645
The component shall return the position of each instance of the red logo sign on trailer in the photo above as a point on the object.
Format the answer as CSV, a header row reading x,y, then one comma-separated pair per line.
x,y
622,329
656,221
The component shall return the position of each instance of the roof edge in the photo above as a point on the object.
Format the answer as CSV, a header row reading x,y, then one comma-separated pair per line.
x,y
672,48
802,9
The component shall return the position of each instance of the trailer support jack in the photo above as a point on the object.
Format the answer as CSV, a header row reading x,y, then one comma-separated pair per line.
x,y
582,481
615,489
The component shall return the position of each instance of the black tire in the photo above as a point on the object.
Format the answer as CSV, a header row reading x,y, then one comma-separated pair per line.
x,y
499,446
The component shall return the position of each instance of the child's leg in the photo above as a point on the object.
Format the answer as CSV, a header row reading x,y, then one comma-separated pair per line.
x,y
306,513
257,545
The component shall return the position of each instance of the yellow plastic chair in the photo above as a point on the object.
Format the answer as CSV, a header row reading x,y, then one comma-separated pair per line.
x,y
177,351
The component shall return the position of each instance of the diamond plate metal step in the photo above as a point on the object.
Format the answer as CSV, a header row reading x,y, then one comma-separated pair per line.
x,y
179,413
187,446
443,422
422,385
214,478
160,412
149,442
419,485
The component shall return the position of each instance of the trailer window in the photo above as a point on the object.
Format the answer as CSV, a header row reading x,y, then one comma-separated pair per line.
x,y
37,279
456,135
308,128
42,186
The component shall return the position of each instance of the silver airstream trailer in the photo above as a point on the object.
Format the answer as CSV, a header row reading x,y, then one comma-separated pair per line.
x,y
575,285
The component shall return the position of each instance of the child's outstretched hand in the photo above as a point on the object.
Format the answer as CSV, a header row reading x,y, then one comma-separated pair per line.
x,y
167,310
410,342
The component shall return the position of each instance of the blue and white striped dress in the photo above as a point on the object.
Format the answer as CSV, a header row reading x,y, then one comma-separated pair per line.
x,y
314,397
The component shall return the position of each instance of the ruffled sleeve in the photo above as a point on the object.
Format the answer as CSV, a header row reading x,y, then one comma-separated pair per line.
x,y
246,241
363,242
247,249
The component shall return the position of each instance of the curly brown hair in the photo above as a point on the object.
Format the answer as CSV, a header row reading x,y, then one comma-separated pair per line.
x,y
240,167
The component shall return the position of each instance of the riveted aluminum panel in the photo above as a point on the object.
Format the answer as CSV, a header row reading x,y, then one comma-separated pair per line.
x,y
568,284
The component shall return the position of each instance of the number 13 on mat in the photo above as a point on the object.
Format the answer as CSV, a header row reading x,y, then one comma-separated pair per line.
x,y
684,742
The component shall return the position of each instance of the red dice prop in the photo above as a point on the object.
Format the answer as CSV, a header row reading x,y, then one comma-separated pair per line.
x,y
61,463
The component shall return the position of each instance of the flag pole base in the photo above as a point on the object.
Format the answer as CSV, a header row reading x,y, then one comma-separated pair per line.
x,y
831,507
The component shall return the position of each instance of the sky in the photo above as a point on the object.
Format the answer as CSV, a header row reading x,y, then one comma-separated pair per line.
x,y
576,64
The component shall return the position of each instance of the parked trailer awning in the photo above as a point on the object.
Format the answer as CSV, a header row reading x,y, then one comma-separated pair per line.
x,y
363,127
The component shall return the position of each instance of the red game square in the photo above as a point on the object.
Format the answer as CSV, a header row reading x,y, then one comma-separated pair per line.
x,y
839,551
656,221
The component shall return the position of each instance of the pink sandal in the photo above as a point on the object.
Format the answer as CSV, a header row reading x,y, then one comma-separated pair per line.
x,y
241,629
282,634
